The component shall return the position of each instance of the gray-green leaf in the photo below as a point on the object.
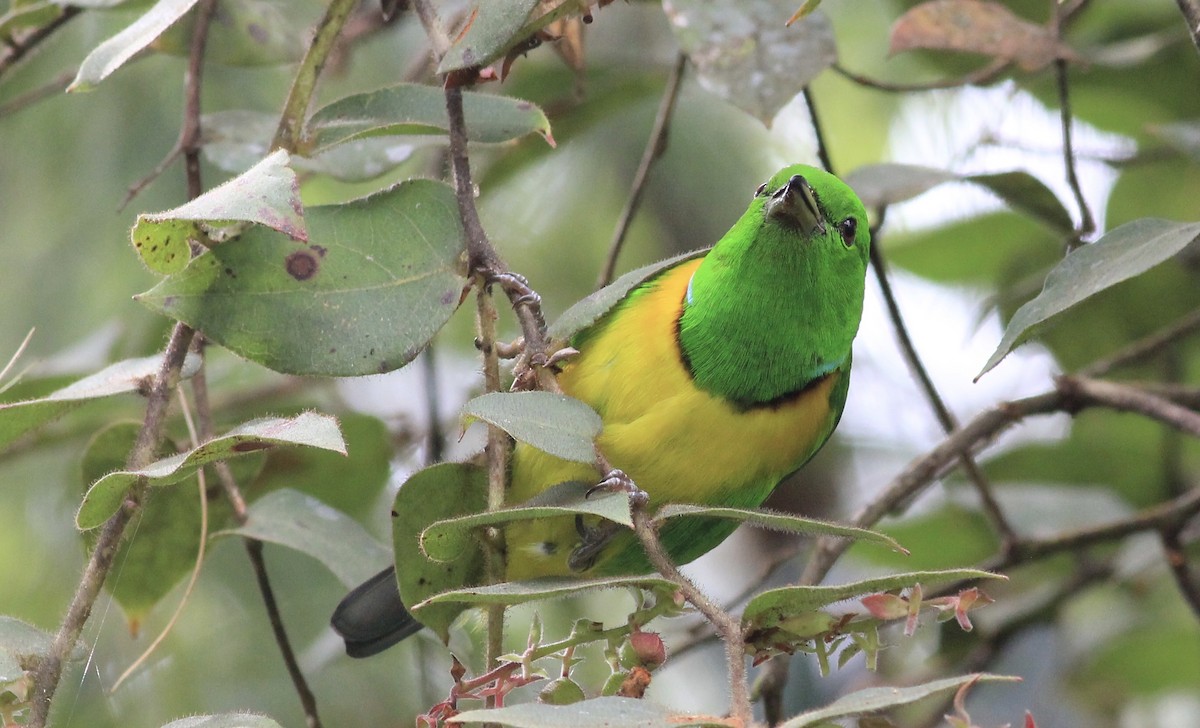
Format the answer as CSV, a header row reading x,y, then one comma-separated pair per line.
x,y
873,700
114,52
555,423
1123,253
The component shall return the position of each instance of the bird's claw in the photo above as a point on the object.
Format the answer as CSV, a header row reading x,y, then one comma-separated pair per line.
x,y
561,356
616,481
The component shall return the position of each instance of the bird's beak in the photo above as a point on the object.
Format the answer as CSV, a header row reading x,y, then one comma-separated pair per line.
x,y
796,204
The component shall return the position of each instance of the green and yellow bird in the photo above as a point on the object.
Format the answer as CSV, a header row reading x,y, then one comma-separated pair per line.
x,y
714,379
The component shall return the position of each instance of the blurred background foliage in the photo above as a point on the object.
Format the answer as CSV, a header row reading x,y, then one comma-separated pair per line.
x,y
1101,636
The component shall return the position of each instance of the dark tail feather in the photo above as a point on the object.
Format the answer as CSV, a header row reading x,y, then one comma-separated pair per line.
x,y
371,618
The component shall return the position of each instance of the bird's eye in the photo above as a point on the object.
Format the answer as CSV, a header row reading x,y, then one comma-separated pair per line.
x,y
848,228
761,189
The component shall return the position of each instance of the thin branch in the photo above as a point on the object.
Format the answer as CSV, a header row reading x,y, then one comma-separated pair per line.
x,y
289,134
1177,560
976,78
48,673
31,97
435,438
497,451
991,507
1087,224
655,146
728,627
254,551
20,48
1191,16
1146,347
1126,398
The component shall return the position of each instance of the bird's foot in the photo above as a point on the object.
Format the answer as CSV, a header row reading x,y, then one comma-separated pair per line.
x,y
515,282
616,481
560,356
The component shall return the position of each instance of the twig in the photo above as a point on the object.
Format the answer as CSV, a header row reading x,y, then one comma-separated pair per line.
x,y
497,452
655,146
1146,347
49,670
31,97
975,78
289,134
991,507
1177,560
1191,16
1087,224
202,488
254,551
19,49
434,439
728,627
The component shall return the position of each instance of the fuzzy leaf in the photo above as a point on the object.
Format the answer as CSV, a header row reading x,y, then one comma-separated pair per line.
x,y
305,524
608,712
224,720
873,700
878,185
520,592
977,26
555,423
493,29
379,277
591,309
1121,254
746,55
442,491
779,521
446,540
267,194
417,109
771,607
17,418
310,429
114,52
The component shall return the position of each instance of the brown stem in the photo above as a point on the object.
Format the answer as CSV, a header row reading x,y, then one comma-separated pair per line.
x,y
655,146
17,50
1087,224
1177,560
728,627
984,75
1146,347
1191,16
49,669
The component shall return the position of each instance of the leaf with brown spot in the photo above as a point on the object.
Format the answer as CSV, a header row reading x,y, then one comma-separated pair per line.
x,y
977,26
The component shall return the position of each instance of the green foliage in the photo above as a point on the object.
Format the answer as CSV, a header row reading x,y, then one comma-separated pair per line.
x,y
336,259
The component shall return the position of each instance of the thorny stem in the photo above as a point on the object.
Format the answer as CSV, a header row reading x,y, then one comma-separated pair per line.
x,y
655,146
289,134
49,670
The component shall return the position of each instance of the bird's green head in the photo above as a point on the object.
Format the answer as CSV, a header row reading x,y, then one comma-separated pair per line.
x,y
778,299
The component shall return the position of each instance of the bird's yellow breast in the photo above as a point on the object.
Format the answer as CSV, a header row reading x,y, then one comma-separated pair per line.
x,y
677,442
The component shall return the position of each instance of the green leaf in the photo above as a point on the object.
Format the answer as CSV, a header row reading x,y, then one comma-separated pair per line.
x,y
520,592
1182,135
873,700
224,720
447,539
435,493
779,521
416,109
245,33
555,423
1026,193
168,527
378,279
23,642
775,605
589,310
1123,253
878,185
493,28
267,194
131,375
744,54
596,713
114,52
311,429
305,524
